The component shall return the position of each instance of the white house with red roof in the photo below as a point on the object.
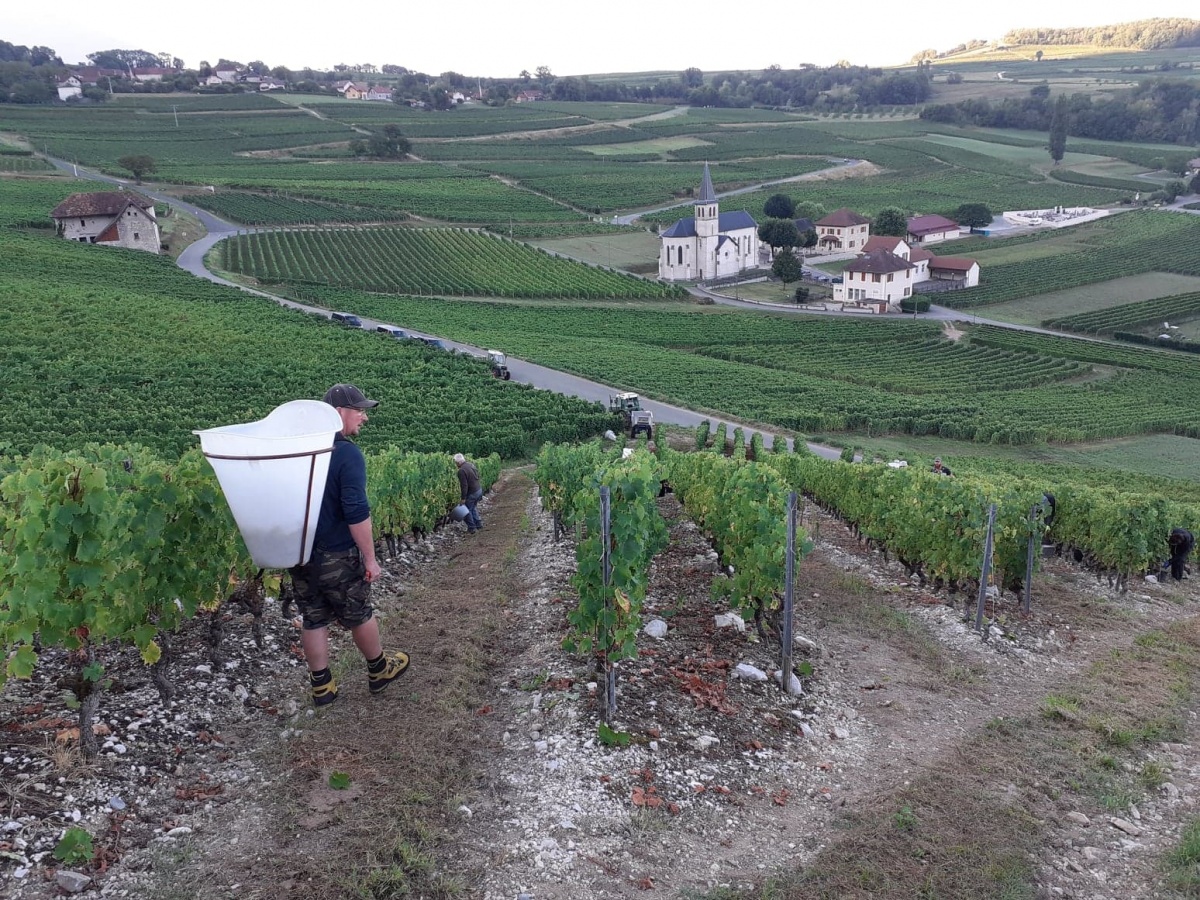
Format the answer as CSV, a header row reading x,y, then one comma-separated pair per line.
x,y
842,231
115,218
878,280
932,229
710,244
378,92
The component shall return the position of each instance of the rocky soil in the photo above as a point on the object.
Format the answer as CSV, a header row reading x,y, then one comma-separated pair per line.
x,y
725,778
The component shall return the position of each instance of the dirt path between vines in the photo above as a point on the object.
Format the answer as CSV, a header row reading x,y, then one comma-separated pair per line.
x,y
409,753
916,752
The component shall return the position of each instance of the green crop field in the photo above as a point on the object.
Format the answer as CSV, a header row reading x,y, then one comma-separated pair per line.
x,y
676,355
134,350
1147,314
271,209
1041,308
428,261
1129,244
27,202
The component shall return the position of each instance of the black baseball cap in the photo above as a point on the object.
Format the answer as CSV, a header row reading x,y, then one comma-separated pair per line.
x,y
350,396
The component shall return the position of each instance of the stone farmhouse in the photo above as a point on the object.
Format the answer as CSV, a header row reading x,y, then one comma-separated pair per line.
x,y
114,218
709,244
889,270
932,229
843,230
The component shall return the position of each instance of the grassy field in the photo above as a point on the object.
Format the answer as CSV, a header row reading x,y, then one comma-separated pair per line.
x,y
1159,455
660,146
1037,309
632,251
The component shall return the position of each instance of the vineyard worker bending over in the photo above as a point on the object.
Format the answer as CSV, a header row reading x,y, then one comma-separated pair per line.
x,y
472,491
939,469
1181,543
336,582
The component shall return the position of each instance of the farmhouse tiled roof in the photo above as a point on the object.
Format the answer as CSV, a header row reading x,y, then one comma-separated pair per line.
x,y
919,254
930,224
843,218
882,242
726,221
952,263
879,262
707,194
100,203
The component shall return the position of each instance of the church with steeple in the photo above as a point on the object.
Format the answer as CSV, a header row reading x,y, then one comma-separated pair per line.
x,y
710,244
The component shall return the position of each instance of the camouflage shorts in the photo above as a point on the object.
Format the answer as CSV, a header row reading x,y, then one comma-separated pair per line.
x,y
330,586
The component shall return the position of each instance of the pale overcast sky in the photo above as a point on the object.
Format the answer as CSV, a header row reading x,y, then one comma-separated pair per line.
x,y
572,38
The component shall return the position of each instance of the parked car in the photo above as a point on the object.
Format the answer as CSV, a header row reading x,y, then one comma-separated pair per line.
x,y
432,342
347,319
392,332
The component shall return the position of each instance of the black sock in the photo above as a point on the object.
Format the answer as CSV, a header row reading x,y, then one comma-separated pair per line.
x,y
318,679
376,665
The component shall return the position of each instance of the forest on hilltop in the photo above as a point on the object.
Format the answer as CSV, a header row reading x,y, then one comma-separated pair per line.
x,y
1144,34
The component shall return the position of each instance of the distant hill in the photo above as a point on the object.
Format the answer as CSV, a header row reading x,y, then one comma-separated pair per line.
x,y
1144,34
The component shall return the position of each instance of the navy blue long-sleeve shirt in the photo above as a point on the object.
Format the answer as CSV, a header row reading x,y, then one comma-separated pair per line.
x,y
345,500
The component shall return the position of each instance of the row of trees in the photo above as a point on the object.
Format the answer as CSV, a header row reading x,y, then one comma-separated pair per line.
x,y
1158,110
1144,34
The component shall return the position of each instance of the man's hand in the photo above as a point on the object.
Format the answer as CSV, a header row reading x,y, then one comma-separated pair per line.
x,y
372,572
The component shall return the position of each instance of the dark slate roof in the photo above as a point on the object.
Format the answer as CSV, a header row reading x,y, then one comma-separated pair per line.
x,y
879,262
101,203
843,218
803,225
707,194
726,221
932,224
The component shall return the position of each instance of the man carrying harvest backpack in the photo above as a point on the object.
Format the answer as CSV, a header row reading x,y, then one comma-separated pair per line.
x,y
335,584
472,491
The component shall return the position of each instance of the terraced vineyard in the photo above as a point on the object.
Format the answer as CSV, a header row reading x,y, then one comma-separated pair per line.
x,y
272,209
26,202
21,161
135,350
428,261
672,355
1181,307
1128,244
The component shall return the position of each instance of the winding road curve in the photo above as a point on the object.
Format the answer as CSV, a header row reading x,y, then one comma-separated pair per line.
x,y
192,260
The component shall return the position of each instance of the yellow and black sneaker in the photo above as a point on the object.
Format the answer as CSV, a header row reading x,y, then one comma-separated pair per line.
x,y
324,694
390,667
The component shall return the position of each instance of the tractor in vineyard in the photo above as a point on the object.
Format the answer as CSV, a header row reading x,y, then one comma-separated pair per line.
x,y
635,420
499,365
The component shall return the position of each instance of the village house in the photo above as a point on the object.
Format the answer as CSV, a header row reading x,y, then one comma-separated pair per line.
x,y
528,96
954,268
876,280
710,244
353,90
93,75
271,84
69,87
379,92
115,218
842,231
146,74
918,256
932,229
224,76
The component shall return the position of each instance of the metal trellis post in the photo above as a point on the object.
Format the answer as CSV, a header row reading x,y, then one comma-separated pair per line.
x,y
987,569
785,674
610,673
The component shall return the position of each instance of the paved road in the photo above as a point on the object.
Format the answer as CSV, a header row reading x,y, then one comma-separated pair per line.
x,y
192,260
